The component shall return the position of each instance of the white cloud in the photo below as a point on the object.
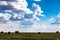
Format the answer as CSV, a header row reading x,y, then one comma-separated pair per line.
x,y
15,26
22,5
6,16
38,28
58,15
55,20
11,26
18,10
8,11
3,3
51,19
18,5
37,0
37,9
44,28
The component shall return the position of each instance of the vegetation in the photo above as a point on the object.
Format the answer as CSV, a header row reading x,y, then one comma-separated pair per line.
x,y
57,31
16,31
8,32
29,36
38,32
1,32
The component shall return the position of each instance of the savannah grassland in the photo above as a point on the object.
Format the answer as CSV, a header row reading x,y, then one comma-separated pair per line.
x,y
29,36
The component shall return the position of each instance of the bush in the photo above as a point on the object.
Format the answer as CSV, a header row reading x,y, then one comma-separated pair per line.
x,y
16,31
39,33
57,31
8,32
1,32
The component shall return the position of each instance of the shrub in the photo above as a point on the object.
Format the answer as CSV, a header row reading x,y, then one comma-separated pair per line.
x,y
1,32
16,31
8,32
39,33
57,31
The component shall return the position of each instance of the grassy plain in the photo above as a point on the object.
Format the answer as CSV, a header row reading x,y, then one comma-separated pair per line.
x,y
29,36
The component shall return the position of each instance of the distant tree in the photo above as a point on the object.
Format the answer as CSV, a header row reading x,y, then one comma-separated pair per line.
x,y
57,31
8,32
1,32
39,33
16,31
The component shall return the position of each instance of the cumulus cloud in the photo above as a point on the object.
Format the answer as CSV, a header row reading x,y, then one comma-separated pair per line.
x,y
7,0
3,3
56,20
19,12
43,27
58,15
22,6
6,16
37,9
37,0
10,26
37,28
15,26
22,9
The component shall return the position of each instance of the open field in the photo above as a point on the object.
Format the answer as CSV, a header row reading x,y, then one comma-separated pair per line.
x,y
29,36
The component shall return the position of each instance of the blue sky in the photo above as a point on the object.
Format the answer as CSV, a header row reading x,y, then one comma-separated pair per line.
x,y
30,15
50,7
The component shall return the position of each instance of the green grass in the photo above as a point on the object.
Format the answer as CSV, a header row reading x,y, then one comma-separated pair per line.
x,y
30,36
